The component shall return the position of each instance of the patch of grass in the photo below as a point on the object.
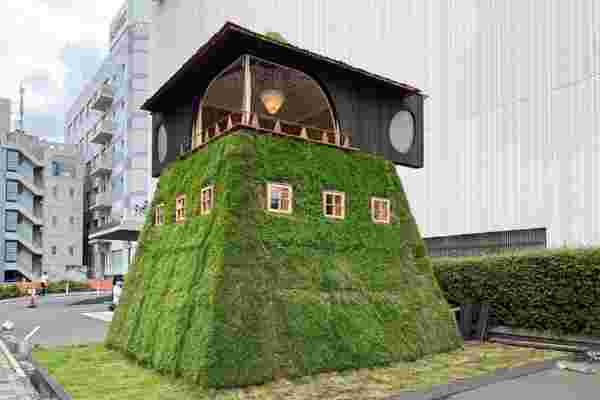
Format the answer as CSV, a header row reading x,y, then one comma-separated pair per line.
x,y
94,372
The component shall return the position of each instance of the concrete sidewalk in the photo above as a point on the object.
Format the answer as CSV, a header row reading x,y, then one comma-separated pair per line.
x,y
13,386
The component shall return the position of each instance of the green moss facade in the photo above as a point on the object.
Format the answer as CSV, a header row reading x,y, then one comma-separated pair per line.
x,y
243,296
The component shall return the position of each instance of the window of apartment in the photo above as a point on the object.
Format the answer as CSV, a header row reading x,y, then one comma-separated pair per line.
x,y
57,168
206,199
53,249
54,221
279,198
334,204
10,251
159,215
180,208
71,250
380,210
72,220
71,192
55,192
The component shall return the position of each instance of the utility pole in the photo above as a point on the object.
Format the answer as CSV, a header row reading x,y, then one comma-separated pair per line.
x,y
21,108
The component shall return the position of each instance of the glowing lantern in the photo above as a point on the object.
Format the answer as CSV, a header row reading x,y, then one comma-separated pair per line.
x,y
272,99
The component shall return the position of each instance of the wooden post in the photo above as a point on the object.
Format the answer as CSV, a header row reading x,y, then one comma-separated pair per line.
x,y
303,133
324,137
247,100
277,127
217,130
229,122
347,141
254,120
337,138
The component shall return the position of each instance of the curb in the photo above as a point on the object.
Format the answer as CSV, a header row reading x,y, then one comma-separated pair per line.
x,y
57,295
441,392
58,391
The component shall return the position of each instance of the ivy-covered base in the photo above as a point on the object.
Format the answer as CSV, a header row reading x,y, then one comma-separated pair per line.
x,y
243,296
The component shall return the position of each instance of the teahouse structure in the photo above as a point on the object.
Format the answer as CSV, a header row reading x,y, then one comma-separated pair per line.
x,y
242,78
281,242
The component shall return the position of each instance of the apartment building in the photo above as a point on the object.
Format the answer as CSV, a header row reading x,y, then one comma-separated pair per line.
x,y
113,136
41,207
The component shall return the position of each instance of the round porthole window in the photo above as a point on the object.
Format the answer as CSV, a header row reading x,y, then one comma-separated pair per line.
x,y
162,143
402,131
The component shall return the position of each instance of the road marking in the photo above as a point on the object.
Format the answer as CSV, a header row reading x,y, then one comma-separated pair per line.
x,y
105,316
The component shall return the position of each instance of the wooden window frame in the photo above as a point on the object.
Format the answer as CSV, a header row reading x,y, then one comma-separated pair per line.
x,y
204,209
334,193
272,185
180,210
388,205
159,215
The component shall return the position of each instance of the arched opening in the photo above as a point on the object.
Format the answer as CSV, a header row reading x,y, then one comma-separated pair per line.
x,y
266,95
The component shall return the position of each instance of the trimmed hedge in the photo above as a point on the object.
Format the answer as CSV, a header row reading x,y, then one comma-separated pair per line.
x,y
8,291
550,290
242,296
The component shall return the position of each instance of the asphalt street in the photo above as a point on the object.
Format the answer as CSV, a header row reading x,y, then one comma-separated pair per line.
x,y
60,323
553,384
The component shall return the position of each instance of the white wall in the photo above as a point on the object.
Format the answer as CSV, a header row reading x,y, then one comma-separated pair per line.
x,y
512,122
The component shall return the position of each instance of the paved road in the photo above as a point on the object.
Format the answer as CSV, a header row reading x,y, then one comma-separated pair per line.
x,y
61,323
548,385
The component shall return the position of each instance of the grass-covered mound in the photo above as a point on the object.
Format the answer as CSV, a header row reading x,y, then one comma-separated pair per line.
x,y
242,296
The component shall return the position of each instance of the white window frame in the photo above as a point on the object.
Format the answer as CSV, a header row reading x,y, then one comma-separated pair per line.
x,y
208,189
324,203
180,218
273,185
159,215
388,207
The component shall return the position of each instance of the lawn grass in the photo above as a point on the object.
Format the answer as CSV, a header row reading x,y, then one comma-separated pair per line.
x,y
94,372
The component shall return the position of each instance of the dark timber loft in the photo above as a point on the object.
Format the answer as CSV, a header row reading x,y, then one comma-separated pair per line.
x,y
241,78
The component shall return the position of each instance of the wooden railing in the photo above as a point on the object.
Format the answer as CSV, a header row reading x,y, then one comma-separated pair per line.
x,y
236,119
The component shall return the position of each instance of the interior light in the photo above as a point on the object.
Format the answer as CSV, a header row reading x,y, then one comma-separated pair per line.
x,y
272,99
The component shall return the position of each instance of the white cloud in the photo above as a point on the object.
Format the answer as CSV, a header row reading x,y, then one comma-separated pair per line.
x,y
33,35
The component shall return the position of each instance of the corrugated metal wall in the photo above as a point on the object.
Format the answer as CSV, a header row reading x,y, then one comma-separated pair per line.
x,y
512,122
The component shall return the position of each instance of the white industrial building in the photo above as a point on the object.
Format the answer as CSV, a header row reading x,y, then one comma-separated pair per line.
x,y
512,122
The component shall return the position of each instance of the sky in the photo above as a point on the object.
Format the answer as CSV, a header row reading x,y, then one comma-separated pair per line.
x,y
54,47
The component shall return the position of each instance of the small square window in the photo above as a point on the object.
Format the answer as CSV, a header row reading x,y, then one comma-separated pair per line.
x,y
72,192
180,208
71,250
54,220
380,210
207,200
72,220
334,204
280,198
159,215
53,250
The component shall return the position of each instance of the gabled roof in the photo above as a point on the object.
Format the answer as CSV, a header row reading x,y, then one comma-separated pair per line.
x,y
228,45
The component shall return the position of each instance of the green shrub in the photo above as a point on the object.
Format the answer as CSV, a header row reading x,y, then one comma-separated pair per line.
x,y
8,291
551,290
242,296
60,286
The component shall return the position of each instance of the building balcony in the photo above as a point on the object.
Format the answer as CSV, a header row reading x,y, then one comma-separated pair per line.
x,y
103,131
34,184
125,226
103,98
101,164
101,200
29,146
35,216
